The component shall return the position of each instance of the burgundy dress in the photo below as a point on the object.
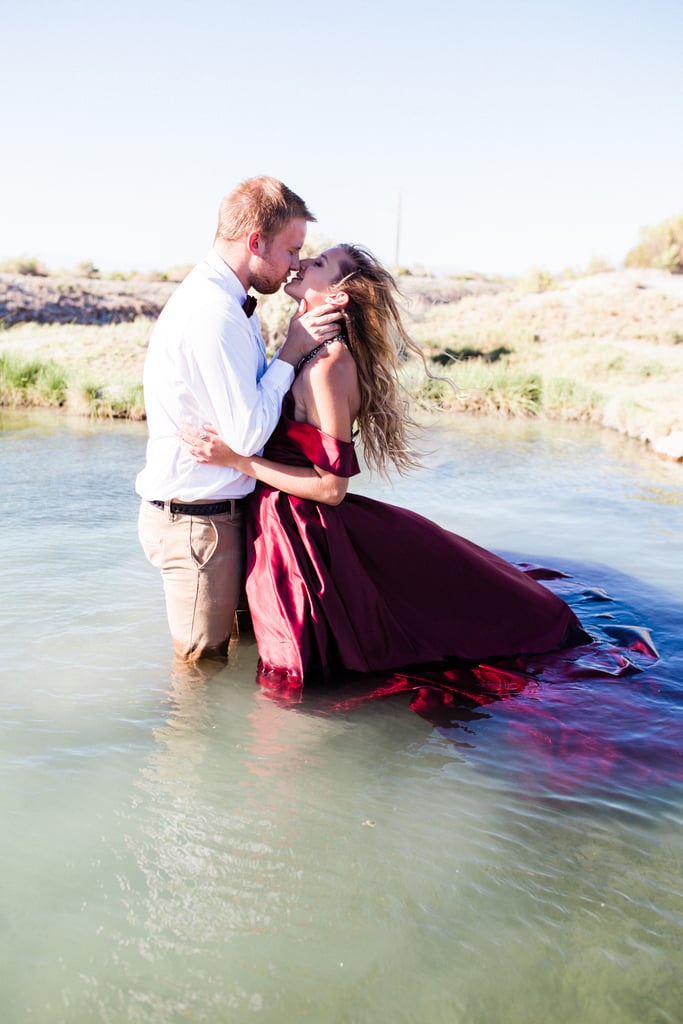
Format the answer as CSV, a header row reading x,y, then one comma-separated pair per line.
x,y
366,587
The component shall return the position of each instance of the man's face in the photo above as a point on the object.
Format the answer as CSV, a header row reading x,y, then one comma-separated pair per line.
x,y
278,257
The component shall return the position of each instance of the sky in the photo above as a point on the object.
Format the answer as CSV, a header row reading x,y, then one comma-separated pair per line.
x,y
488,136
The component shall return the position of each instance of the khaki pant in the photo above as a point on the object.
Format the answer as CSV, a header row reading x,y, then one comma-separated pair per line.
x,y
201,559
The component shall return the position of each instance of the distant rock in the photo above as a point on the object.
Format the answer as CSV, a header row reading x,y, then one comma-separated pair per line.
x,y
65,299
75,300
438,291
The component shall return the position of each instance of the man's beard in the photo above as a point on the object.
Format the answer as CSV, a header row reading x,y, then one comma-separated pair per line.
x,y
265,283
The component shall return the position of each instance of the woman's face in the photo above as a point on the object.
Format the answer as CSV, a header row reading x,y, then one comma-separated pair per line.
x,y
316,277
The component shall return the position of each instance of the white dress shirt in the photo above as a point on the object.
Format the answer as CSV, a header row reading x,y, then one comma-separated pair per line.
x,y
206,363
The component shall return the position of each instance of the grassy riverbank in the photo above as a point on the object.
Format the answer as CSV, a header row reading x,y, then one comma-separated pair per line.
x,y
605,348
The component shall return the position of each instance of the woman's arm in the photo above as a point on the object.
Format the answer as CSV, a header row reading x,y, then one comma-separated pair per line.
x,y
313,482
328,392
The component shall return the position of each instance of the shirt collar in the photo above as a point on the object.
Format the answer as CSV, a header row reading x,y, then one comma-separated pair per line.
x,y
232,282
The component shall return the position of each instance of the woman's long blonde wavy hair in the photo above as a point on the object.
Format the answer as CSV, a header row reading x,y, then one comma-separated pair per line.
x,y
378,341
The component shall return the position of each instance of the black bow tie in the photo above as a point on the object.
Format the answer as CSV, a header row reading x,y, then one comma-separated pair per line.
x,y
249,305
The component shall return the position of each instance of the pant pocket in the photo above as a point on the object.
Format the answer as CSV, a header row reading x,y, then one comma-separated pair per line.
x,y
203,541
150,536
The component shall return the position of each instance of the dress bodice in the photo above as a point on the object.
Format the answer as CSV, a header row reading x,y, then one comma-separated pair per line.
x,y
302,444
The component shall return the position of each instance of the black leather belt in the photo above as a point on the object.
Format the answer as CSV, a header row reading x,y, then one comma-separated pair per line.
x,y
213,508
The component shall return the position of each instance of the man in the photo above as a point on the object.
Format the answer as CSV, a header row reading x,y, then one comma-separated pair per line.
x,y
206,362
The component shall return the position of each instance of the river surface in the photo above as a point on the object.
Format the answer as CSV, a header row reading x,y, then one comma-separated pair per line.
x,y
182,847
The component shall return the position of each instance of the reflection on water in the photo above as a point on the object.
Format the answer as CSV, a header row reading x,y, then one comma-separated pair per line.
x,y
188,846
570,728
659,495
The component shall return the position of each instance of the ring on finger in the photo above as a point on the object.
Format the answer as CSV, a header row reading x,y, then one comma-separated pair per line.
x,y
203,437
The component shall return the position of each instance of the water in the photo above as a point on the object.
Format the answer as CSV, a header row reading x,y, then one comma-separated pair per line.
x,y
179,848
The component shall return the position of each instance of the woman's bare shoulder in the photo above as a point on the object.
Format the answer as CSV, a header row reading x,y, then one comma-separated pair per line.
x,y
331,386
336,362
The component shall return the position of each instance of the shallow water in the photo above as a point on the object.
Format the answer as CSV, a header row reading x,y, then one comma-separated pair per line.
x,y
181,848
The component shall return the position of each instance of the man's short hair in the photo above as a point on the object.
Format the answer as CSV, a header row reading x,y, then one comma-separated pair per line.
x,y
259,204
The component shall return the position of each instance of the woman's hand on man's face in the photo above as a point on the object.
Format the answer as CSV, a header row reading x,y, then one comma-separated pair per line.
x,y
308,328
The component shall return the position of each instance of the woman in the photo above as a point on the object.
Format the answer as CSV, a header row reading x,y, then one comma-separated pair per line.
x,y
337,581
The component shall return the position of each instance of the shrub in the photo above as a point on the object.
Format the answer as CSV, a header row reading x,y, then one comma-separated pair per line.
x,y
570,399
174,274
536,281
475,386
86,268
116,401
660,246
507,392
31,382
29,266
450,355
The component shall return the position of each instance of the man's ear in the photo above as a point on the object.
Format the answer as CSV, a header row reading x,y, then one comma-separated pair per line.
x,y
338,299
255,243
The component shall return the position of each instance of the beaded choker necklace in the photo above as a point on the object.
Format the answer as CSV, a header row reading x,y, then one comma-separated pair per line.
x,y
318,348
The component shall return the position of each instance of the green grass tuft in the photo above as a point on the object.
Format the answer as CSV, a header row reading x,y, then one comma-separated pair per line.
x,y
31,382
